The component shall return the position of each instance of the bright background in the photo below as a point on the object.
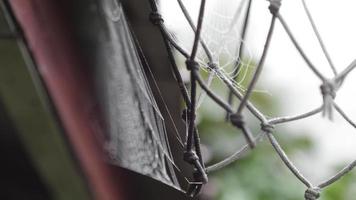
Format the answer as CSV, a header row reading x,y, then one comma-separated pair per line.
x,y
290,88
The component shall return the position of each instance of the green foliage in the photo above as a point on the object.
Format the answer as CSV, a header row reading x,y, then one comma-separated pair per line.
x,y
259,175
343,189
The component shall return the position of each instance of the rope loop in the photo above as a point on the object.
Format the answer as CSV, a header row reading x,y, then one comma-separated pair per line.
x,y
274,6
156,18
328,90
312,193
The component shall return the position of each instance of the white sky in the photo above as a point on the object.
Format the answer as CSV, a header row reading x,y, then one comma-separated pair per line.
x,y
286,76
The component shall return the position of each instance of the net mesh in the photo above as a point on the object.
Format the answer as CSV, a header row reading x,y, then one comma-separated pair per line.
x,y
217,48
220,39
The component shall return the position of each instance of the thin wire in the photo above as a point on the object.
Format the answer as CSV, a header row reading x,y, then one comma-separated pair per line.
x,y
300,50
237,65
236,15
197,147
267,125
258,114
279,120
208,52
192,131
185,95
192,77
326,53
194,189
339,175
236,156
205,48
286,160
167,36
159,141
191,24
167,154
203,94
191,125
343,114
178,137
258,68
198,30
212,95
346,71
177,75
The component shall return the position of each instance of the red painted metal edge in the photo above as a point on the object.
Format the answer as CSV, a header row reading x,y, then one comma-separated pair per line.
x,y
66,77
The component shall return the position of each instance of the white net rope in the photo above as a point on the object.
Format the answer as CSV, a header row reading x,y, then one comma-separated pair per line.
x,y
216,50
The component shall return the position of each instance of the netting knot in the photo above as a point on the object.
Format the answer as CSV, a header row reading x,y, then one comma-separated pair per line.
x,y
267,127
328,90
274,6
192,64
237,120
200,176
312,193
156,18
190,157
212,66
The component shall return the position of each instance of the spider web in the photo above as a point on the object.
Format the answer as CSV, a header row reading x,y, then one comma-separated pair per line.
x,y
215,65
222,35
